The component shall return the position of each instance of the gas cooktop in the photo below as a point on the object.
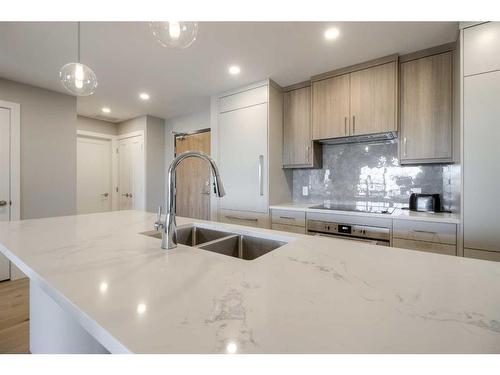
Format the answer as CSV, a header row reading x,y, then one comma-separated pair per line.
x,y
356,207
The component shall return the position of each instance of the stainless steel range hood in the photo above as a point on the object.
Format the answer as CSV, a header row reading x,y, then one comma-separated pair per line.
x,y
360,138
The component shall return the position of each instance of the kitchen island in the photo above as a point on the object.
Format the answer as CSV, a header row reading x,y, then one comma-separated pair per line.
x,y
100,285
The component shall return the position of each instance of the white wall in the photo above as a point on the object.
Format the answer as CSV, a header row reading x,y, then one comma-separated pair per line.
x,y
96,126
48,149
155,163
132,125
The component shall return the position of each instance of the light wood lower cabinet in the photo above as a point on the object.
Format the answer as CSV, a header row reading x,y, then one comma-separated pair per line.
x,y
250,219
427,236
481,254
373,98
288,228
426,109
431,247
288,221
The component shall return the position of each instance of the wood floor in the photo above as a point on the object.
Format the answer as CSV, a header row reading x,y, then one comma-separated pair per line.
x,y
14,316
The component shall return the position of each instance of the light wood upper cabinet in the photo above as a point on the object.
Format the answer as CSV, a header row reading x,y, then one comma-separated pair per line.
x,y
297,145
374,99
426,109
330,108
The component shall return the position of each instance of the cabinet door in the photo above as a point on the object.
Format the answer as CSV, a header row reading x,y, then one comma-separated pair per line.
x,y
426,108
481,48
373,99
330,107
481,161
297,127
430,247
243,158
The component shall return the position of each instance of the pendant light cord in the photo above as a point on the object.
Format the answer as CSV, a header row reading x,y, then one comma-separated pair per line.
x,y
78,41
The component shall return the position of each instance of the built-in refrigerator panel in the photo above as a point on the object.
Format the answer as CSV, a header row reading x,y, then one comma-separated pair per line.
x,y
243,162
482,161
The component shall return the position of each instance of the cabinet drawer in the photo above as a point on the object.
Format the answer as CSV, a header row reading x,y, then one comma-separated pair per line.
x,y
444,233
250,219
430,247
288,217
288,228
482,254
243,99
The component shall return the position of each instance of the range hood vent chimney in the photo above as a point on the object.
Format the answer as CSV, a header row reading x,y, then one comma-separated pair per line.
x,y
360,138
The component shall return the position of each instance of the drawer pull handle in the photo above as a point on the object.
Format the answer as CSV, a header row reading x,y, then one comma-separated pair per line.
x,y
424,231
287,218
242,218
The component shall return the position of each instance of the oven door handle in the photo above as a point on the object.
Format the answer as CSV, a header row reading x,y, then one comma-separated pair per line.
x,y
348,238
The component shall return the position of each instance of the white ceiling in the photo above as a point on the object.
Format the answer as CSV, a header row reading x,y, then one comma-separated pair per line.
x,y
127,60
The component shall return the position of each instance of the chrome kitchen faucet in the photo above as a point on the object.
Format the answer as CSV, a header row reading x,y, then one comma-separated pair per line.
x,y
169,226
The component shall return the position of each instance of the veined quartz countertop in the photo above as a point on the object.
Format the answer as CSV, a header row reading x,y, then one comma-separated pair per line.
x,y
313,295
398,213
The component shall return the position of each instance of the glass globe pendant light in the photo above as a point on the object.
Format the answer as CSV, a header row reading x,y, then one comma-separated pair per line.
x,y
174,34
78,78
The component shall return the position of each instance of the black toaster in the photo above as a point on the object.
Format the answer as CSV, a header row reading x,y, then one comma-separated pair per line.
x,y
425,202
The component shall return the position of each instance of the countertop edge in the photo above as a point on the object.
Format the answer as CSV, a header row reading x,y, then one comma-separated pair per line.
x,y
99,333
396,215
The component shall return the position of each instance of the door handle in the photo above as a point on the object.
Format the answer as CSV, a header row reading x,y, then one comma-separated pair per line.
x,y
125,195
105,195
353,125
307,154
261,180
3,203
404,146
345,125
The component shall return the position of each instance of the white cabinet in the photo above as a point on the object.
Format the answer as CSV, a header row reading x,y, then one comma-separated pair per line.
x,y
243,158
249,144
4,268
481,48
481,161
481,138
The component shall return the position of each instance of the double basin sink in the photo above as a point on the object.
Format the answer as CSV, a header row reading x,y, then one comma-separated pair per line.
x,y
235,245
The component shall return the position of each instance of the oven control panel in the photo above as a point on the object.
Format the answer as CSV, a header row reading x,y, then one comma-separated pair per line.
x,y
349,230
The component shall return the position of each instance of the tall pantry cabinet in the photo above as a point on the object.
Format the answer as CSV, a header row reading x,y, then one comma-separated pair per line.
x,y
249,143
481,140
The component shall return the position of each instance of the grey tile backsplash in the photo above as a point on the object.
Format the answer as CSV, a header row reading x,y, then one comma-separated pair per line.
x,y
370,172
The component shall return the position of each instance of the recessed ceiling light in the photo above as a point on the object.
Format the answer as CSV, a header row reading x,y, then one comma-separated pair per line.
x,y
106,110
144,96
234,69
332,33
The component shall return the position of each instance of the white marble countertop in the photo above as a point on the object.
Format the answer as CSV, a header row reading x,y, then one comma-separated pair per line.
x,y
313,295
398,213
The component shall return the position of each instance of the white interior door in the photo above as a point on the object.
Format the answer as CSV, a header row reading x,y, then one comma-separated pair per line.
x,y
124,184
243,158
4,181
93,175
131,173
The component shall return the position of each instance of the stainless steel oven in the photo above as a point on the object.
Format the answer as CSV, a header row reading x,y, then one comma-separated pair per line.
x,y
361,233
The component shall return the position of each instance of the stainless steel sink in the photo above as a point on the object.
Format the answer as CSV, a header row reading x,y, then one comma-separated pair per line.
x,y
235,245
243,246
194,236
